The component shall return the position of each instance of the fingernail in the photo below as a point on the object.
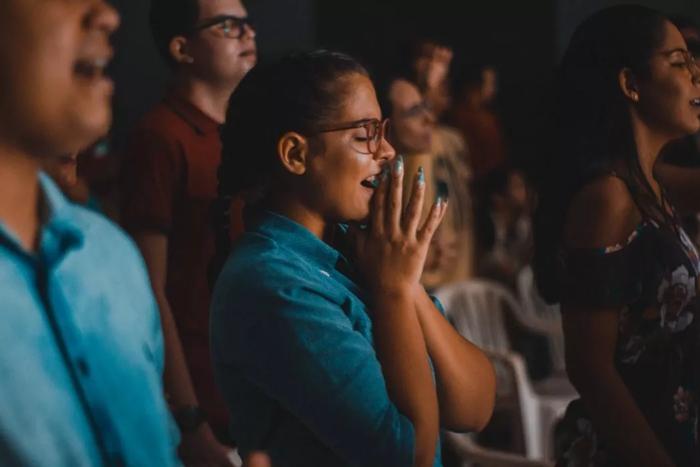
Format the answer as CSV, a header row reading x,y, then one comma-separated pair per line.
x,y
398,165
421,175
439,200
385,172
443,190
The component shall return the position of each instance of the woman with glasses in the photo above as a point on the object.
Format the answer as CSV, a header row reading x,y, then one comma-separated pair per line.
x,y
610,248
326,347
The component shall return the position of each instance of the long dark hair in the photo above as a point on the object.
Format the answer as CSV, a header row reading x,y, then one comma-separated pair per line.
x,y
592,125
300,93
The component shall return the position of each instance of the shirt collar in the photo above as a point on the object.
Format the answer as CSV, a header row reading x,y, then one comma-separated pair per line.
x,y
200,122
294,236
60,232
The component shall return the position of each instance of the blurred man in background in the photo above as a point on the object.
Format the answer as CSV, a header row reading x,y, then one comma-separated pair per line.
x,y
170,187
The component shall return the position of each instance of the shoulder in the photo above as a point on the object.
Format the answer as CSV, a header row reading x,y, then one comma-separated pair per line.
x,y
160,119
602,213
159,128
262,274
260,264
451,137
105,241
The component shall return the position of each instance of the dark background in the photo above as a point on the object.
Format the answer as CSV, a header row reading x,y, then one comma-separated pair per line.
x,y
522,38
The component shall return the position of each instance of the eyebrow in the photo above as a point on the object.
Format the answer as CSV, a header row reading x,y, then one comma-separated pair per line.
x,y
363,121
672,51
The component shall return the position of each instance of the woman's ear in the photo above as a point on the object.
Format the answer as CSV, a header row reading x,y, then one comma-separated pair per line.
x,y
628,84
178,50
293,152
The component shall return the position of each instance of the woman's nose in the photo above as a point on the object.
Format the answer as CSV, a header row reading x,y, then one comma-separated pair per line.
x,y
386,151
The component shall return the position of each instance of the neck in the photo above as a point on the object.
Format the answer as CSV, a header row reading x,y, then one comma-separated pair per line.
x,y
649,144
300,214
210,99
19,196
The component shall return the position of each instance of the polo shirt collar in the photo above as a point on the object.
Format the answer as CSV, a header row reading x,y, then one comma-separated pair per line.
x,y
200,122
59,231
294,236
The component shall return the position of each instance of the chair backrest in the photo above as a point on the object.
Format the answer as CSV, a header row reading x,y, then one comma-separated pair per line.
x,y
534,305
530,298
476,310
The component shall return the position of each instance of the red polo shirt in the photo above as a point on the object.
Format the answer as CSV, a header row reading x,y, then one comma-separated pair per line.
x,y
170,187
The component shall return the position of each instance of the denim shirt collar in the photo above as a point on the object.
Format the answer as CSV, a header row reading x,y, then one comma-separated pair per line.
x,y
294,236
59,232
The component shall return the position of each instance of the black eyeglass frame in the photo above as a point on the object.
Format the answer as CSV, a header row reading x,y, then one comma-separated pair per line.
x,y
240,21
376,131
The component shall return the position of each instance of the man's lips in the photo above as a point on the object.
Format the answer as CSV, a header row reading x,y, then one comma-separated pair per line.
x,y
93,61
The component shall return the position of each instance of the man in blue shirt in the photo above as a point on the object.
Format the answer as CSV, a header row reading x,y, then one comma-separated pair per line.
x,y
82,350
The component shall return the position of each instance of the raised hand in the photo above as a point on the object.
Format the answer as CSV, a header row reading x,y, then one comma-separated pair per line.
x,y
438,67
391,252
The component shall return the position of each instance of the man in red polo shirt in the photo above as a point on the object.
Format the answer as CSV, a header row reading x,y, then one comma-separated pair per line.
x,y
170,190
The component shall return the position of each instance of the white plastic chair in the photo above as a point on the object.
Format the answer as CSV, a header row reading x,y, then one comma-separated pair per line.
x,y
541,317
477,308
464,446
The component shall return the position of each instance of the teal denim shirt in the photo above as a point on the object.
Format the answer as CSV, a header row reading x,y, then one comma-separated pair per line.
x,y
293,352
82,349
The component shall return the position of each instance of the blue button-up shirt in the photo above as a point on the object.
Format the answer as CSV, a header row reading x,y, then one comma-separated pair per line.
x,y
82,349
293,351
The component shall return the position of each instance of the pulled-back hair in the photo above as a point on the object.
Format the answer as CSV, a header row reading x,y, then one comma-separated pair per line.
x,y
592,129
300,93
169,19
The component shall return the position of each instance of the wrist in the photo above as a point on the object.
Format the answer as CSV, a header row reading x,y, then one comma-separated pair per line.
x,y
395,291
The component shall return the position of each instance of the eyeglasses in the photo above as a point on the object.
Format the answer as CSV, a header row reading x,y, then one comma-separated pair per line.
x,y
689,58
232,27
375,131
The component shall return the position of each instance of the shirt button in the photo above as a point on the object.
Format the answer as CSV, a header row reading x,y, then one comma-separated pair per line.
x,y
83,367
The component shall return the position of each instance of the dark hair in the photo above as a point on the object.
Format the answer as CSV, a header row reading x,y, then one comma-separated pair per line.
x,y
300,92
169,19
592,125
410,49
468,75
496,182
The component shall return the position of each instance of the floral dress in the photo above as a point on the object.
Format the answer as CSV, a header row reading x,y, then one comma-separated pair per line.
x,y
653,279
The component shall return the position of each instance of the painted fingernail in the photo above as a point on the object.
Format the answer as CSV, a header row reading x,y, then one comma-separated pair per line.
x,y
443,190
385,172
438,201
398,165
421,175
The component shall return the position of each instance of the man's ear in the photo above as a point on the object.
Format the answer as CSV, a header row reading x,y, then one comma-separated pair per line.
x,y
628,84
293,152
179,50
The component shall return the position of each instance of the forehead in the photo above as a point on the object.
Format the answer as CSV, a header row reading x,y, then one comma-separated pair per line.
x,y
360,99
211,8
404,94
672,37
